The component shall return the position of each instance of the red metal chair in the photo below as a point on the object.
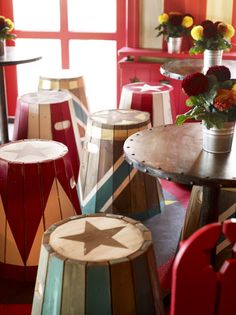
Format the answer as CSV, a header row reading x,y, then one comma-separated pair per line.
x,y
196,287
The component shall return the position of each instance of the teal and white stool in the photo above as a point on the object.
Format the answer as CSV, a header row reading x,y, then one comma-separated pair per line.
x,y
97,265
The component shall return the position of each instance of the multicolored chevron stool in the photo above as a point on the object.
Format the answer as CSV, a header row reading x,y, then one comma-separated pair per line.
x,y
49,115
98,264
37,188
66,79
155,99
107,183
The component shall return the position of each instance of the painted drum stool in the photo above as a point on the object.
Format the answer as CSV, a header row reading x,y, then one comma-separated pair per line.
x,y
107,183
66,79
37,189
155,99
97,264
49,115
226,209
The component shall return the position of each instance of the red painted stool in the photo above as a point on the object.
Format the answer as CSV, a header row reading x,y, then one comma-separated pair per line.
x,y
65,79
37,188
49,115
155,99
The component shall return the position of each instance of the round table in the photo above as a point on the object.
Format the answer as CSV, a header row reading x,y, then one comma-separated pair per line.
x,y
175,153
178,69
13,56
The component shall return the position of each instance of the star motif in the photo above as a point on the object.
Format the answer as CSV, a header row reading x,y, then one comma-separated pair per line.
x,y
149,88
92,237
119,117
31,151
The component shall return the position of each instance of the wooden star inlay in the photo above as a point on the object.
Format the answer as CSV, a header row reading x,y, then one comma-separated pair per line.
x,y
92,237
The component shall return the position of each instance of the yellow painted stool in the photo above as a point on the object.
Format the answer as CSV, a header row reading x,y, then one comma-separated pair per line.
x,y
66,79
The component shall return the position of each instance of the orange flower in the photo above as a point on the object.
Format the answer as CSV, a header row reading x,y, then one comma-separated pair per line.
x,y
225,99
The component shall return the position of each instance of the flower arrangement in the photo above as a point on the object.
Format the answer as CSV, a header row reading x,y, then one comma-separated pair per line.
x,y
6,27
174,24
212,36
212,97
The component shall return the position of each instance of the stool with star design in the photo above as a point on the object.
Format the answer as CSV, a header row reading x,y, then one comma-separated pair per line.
x,y
66,79
97,264
37,189
49,115
107,183
155,99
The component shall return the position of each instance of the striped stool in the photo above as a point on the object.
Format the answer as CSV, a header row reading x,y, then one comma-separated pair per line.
x,y
65,79
227,210
37,188
99,265
153,99
49,115
107,182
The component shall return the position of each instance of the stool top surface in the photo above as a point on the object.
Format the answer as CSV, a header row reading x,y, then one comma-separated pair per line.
x,y
45,97
120,117
142,87
32,151
61,74
99,238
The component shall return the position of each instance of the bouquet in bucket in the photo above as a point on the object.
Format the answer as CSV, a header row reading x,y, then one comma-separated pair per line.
x,y
174,24
211,97
211,36
6,27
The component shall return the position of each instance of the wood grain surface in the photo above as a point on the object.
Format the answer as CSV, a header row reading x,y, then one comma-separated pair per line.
x,y
175,153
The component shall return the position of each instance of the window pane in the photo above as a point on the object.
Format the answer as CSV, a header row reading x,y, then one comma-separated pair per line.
x,y
96,60
28,74
37,15
92,15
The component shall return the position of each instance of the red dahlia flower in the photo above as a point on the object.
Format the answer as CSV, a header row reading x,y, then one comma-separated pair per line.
x,y
2,23
222,73
209,30
195,84
176,19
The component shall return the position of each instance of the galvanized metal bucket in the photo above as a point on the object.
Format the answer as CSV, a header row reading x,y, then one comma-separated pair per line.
x,y
211,58
218,140
2,47
174,45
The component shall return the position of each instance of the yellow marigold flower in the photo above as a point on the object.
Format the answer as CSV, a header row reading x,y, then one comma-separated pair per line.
x,y
187,21
234,87
163,18
10,24
229,31
197,32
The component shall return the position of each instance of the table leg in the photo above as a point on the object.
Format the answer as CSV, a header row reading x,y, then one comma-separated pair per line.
x,y
209,210
202,209
3,109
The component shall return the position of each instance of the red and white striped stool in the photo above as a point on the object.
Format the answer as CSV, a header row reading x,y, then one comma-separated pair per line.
x,y
49,115
37,188
155,99
65,79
